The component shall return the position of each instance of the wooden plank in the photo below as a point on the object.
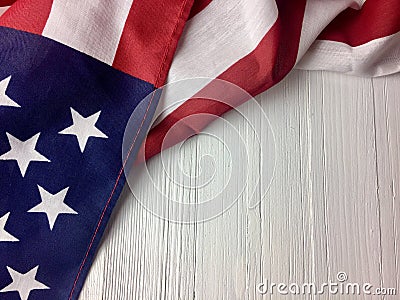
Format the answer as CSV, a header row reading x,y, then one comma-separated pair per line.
x,y
387,129
331,207
350,179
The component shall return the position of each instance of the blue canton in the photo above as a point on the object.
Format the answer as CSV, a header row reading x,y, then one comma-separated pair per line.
x,y
62,121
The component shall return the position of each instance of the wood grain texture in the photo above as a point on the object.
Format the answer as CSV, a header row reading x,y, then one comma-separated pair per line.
x,y
332,205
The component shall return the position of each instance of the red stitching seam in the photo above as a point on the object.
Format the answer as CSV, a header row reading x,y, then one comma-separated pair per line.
x,y
128,154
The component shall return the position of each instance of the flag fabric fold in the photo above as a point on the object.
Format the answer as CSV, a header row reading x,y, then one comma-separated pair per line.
x,y
259,42
72,72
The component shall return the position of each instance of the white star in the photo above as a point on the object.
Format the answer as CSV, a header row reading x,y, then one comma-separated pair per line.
x,y
84,128
4,235
23,152
24,283
52,205
4,99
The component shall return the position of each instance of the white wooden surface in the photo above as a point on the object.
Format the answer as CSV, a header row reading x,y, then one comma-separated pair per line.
x,y
332,205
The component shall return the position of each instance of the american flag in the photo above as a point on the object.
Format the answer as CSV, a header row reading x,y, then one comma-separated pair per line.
x,y
73,71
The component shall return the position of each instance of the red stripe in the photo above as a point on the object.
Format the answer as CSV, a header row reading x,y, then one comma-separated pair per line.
x,y
376,19
149,38
27,15
198,6
273,58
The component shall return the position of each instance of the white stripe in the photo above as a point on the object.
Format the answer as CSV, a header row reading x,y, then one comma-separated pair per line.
x,y
317,15
3,10
216,38
375,58
93,27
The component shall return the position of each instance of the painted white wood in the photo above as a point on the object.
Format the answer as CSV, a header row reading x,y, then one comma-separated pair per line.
x,y
332,205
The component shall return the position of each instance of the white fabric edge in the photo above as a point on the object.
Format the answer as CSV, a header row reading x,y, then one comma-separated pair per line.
x,y
317,15
3,9
376,58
